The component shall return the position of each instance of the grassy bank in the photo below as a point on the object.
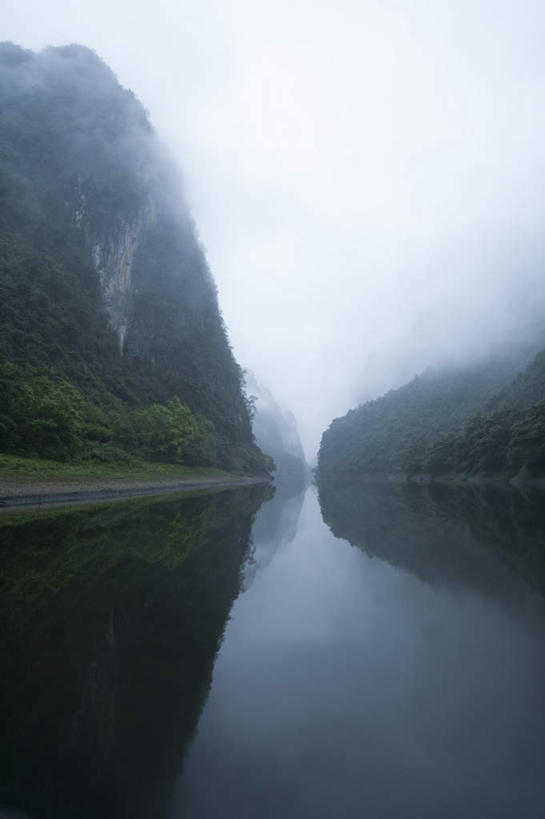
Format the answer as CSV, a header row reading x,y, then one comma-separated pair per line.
x,y
27,481
18,467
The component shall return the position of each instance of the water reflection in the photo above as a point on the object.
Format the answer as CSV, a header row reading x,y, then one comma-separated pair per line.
x,y
444,534
275,526
112,618
400,679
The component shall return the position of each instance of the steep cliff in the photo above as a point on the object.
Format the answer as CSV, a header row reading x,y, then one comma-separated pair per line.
x,y
276,432
105,287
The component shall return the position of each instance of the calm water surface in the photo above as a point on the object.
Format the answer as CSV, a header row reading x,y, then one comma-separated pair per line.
x,y
202,663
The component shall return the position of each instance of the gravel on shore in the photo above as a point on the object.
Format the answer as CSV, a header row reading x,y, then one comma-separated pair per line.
x,y
27,490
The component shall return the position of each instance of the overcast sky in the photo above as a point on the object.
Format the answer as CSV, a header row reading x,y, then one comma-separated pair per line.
x,y
368,178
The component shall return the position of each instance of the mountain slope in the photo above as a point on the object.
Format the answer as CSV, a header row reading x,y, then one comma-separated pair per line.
x,y
110,323
477,421
507,435
390,434
276,432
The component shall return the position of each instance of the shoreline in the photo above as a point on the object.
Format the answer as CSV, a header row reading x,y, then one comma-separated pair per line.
x,y
481,480
29,492
497,481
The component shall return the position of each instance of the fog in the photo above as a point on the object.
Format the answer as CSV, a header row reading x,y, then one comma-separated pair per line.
x,y
367,178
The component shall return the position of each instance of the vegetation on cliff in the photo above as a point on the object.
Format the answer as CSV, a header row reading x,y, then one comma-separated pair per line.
x,y
112,345
276,432
477,421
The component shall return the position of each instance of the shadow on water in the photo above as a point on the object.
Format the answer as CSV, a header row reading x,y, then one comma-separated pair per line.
x,y
112,618
444,534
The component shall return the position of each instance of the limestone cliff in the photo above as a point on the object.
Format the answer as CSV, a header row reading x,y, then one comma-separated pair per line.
x,y
276,432
93,222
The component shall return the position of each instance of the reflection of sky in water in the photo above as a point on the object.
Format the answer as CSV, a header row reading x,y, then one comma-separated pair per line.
x,y
346,687
275,526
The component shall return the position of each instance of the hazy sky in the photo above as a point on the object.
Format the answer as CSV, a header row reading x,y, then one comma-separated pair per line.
x,y
368,178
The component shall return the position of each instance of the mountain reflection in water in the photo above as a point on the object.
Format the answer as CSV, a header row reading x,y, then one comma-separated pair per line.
x,y
398,676
112,619
403,678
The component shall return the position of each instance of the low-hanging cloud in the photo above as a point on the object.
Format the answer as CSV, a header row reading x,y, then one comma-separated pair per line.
x,y
368,180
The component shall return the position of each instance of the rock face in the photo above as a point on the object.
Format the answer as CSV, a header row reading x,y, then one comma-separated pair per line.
x,y
113,261
86,184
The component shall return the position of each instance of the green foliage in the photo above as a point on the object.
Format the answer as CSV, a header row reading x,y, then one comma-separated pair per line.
x,y
172,433
19,466
507,436
409,430
51,416
45,416
482,448
526,448
453,423
79,163
442,457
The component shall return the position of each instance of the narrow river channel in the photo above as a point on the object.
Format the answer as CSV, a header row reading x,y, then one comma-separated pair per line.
x,y
232,655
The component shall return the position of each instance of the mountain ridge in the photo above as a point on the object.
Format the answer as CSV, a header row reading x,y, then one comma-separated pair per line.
x,y
485,420
108,305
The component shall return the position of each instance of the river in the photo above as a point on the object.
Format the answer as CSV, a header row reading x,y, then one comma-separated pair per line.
x,y
233,655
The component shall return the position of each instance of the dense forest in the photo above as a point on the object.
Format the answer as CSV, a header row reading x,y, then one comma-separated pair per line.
x,y
112,346
484,420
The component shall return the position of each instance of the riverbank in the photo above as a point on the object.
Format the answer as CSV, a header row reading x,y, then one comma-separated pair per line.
x,y
26,482
453,479
499,480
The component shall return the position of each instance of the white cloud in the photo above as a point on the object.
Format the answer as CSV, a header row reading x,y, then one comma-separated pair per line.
x,y
367,177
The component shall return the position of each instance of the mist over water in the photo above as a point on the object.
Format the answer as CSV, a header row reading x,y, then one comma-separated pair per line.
x,y
368,184
347,684
233,655
367,179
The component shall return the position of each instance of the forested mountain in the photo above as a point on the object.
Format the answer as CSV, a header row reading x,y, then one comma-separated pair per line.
x,y
484,420
507,436
276,433
111,340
